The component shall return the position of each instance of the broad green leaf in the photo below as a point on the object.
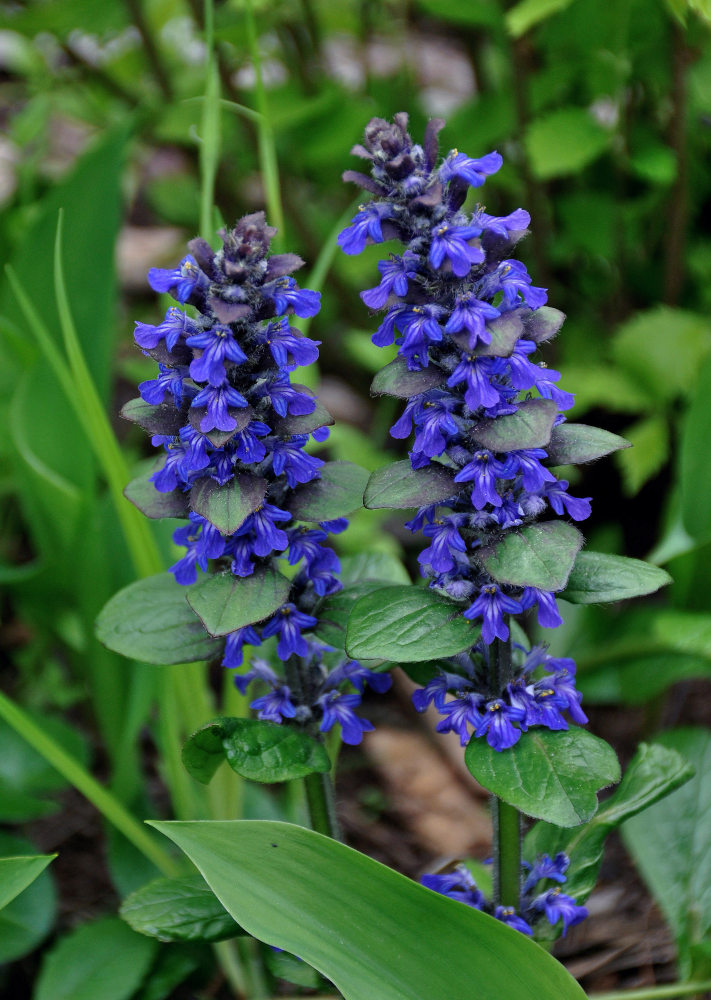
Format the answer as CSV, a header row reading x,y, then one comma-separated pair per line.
x,y
543,324
396,379
649,453
553,776
304,424
572,444
228,506
27,919
527,13
598,578
225,602
540,555
671,843
104,960
399,486
337,493
162,419
340,911
695,474
143,494
334,612
529,427
373,566
564,141
178,909
407,624
653,773
256,749
151,620
17,873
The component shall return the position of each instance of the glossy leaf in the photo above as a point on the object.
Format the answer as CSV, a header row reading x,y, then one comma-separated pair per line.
x,y
572,444
151,620
550,775
529,427
17,873
340,911
256,749
225,602
396,379
228,506
178,909
399,486
162,419
143,494
539,555
407,624
337,493
104,960
597,578
653,773
334,612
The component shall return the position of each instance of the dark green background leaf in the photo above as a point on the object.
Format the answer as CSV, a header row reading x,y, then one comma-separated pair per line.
x,y
178,909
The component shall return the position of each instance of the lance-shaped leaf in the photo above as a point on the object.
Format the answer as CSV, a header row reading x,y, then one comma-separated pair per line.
x,y
256,749
399,486
304,424
505,331
539,555
228,506
572,444
597,578
179,909
241,415
529,427
17,873
225,602
396,379
162,419
407,624
652,774
143,494
550,775
337,493
150,620
543,323
340,911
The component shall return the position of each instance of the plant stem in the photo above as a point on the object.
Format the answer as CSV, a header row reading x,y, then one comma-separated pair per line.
x,y
656,992
506,819
321,804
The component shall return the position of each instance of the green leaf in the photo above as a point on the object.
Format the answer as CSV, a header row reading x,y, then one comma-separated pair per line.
x,y
143,494
564,141
671,843
151,620
505,331
228,506
178,909
298,910
540,555
550,775
572,444
527,13
543,323
653,773
337,493
529,427
104,960
372,566
396,379
649,438
17,873
26,920
256,749
598,578
225,602
467,12
304,424
161,419
695,475
334,612
407,624
399,486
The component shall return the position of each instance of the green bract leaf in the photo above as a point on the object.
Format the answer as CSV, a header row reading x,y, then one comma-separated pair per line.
x,y
304,424
337,493
543,323
105,960
396,379
225,602
572,444
550,775
228,506
505,331
399,486
151,620
17,873
143,494
529,427
540,555
178,909
407,624
254,748
341,912
161,419
597,578
653,773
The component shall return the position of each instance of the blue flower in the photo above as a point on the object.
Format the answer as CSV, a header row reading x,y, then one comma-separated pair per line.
x,y
285,294
461,713
285,397
203,542
396,273
218,400
286,347
548,615
484,469
557,906
452,242
262,527
184,278
471,314
507,915
246,444
218,345
458,885
496,721
446,542
234,642
169,380
576,507
289,459
476,373
338,708
366,225
287,623
491,605
474,172
175,325
275,706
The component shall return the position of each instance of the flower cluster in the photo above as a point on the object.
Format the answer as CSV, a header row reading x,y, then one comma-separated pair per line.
x,y
538,902
234,431
543,688
467,320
